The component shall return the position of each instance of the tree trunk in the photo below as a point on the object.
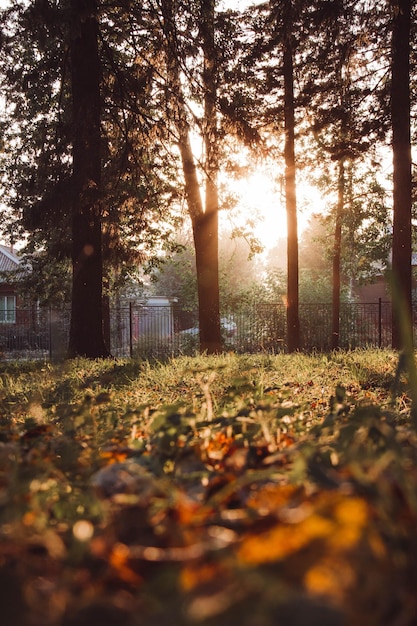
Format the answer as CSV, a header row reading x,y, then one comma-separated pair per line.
x,y
205,241
337,250
86,329
204,219
206,230
402,329
293,322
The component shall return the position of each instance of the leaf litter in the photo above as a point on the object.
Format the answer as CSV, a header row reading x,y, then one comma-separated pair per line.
x,y
251,498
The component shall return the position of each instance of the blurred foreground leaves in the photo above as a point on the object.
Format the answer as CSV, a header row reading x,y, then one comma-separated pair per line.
x,y
259,507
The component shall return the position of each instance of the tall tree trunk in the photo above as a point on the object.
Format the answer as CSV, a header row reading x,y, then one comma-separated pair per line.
x,y
204,219
337,250
86,329
402,178
293,322
208,289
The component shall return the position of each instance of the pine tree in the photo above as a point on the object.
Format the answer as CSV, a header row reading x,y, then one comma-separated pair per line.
x,y
277,58
204,216
86,330
402,177
338,89
135,187
293,322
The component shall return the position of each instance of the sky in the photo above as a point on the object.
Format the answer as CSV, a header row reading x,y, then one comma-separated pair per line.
x,y
262,199
239,4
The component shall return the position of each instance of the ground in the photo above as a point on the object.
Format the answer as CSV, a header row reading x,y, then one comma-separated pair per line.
x,y
254,490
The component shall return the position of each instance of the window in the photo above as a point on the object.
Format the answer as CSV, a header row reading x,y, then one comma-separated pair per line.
x,y
7,309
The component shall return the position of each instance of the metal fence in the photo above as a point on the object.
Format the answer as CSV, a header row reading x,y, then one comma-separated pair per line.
x,y
28,335
161,331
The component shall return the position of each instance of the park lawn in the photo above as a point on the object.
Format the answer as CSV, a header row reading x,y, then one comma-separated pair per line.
x,y
250,490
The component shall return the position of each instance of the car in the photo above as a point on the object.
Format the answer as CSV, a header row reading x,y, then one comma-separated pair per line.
x,y
227,325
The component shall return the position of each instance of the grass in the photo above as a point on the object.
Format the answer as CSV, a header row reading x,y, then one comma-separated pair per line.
x,y
251,489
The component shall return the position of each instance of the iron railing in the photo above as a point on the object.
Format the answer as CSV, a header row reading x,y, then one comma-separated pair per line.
x,y
161,331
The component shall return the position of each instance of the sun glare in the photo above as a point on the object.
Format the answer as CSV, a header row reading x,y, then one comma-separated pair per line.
x,y
261,200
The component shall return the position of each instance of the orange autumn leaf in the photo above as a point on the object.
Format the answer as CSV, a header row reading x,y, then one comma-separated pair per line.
x,y
193,576
330,577
334,573
218,446
338,521
351,516
29,518
271,497
188,512
114,456
283,540
118,559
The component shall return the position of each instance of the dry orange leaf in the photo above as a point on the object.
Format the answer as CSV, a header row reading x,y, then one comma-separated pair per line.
x,y
337,520
194,575
188,512
272,497
330,577
351,516
284,539
119,559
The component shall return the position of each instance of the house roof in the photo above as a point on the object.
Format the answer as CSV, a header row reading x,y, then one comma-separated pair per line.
x,y
8,260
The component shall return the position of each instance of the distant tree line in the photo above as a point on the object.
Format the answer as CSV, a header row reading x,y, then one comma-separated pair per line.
x,y
120,118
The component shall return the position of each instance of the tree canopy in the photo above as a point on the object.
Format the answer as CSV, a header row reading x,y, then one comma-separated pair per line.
x,y
187,96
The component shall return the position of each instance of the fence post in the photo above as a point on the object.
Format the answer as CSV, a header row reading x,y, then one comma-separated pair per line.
x,y
130,329
380,322
50,334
